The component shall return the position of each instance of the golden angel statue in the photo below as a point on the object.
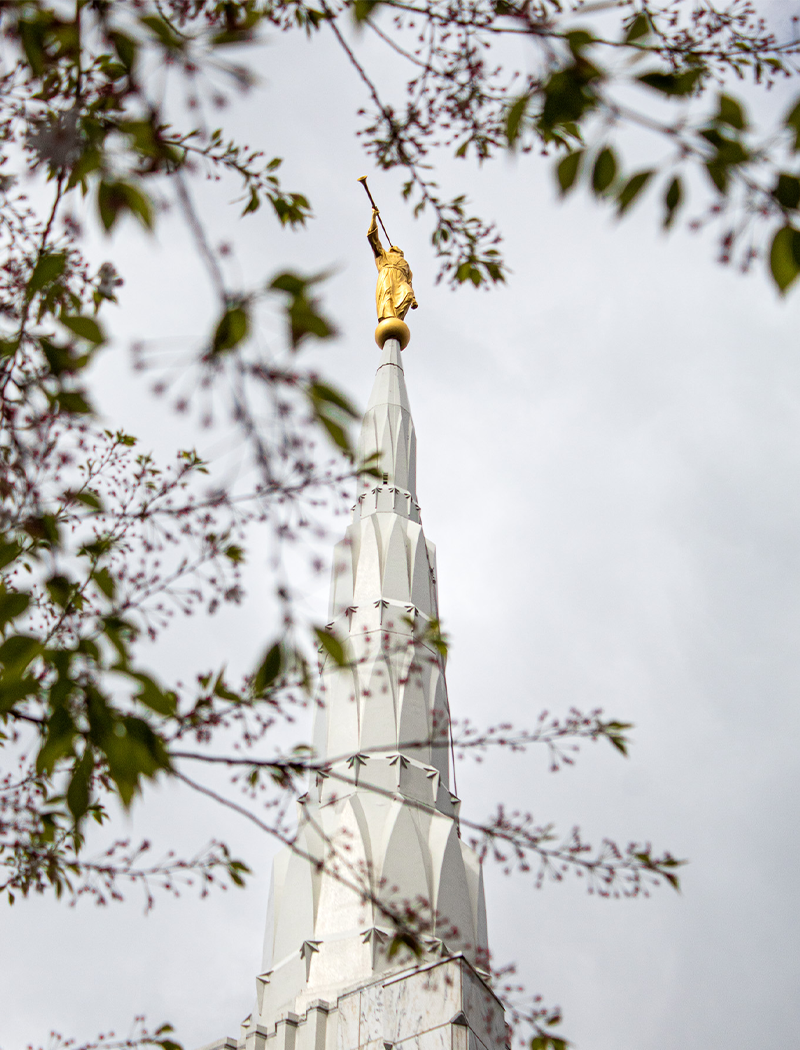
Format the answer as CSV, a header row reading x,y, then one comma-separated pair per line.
x,y
394,296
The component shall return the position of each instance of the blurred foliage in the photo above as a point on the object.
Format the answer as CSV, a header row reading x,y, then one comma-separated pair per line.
x,y
588,74
580,78
99,543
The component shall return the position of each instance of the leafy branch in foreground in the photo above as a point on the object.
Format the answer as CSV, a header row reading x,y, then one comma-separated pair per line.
x,y
549,730
589,76
40,851
511,839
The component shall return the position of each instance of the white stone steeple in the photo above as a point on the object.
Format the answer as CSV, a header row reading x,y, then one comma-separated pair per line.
x,y
378,830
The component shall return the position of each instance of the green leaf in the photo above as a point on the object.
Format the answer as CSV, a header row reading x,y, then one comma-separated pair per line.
x,y
108,204
468,271
719,174
88,499
58,740
105,581
222,690
567,171
638,28
84,327
44,529
434,636
302,311
134,751
672,200
269,669
615,733
163,32
90,160
514,118
49,266
728,151
12,605
673,84
254,203
548,1042
792,121
291,283
787,191
13,689
18,651
579,40
331,646
120,633
291,208
362,9
731,113
116,197
336,432
9,552
153,696
784,257
126,47
404,939
237,869
73,402
63,359
605,171
631,190
139,205
333,412
32,36
78,794
568,95
147,140
231,329
60,589
322,393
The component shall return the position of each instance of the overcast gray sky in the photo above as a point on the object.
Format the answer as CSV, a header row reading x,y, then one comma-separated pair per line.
x,y
608,463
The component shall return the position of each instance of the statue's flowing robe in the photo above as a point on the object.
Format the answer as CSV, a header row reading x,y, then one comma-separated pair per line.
x,y
394,296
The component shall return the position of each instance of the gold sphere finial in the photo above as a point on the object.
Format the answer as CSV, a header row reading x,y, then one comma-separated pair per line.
x,y
392,328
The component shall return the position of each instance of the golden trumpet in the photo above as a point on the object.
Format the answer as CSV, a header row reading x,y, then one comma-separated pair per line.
x,y
363,180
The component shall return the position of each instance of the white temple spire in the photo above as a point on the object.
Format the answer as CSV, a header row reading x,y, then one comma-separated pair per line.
x,y
378,829
388,428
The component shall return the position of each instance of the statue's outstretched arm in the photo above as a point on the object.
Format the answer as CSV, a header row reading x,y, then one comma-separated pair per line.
x,y
374,237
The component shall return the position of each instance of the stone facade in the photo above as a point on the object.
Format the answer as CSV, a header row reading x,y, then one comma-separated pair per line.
x,y
444,1005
